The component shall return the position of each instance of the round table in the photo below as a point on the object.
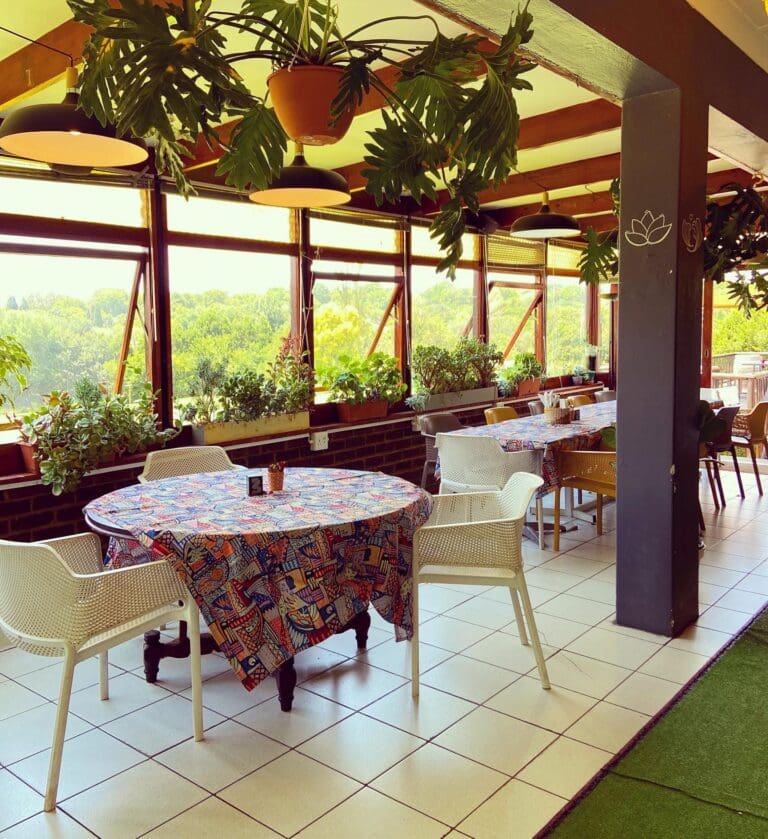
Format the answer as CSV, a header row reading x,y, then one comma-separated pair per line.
x,y
275,574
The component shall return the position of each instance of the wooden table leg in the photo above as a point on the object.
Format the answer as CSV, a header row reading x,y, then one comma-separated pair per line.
x,y
155,649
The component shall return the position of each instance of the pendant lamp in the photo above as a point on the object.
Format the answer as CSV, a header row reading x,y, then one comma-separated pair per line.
x,y
301,185
545,224
62,135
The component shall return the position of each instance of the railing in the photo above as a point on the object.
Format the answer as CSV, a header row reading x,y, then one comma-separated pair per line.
x,y
747,388
740,362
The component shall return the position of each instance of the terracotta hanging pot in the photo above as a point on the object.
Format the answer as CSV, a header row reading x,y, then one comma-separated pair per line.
x,y
302,97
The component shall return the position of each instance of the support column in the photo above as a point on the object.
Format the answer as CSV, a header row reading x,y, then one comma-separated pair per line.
x,y
663,180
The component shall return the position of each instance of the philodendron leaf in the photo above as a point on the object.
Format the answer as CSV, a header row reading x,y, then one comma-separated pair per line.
x,y
255,153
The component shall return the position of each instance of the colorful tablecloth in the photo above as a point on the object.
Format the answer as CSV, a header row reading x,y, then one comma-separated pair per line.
x,y
534,432
276,574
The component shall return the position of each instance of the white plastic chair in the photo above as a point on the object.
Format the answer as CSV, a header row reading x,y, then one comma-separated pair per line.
x,y
56,599
480,464
185,460
475,538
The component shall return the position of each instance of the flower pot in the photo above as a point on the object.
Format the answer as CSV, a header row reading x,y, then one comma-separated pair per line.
x,y
28,450
275,481
528,387
577,380
302,97
214,433
375,409
440,401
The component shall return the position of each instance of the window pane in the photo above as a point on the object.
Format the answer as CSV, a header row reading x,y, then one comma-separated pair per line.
x,y
226,306
238,218
69,312
566,326
422,244
441,309
506,309
357,269
605,324
363,237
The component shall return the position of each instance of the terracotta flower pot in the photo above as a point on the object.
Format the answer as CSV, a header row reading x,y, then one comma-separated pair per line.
x,y
528,387
302,98
375,409
28,457
275,481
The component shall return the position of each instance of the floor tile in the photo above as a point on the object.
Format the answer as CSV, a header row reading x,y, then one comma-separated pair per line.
x,y
310,663
438,599
468,678
212,817
698,639
263,794
553,631
722,556
15,662
354,683
595,552
344,643
18,800
134,802
47,681
716,576
226,695
551,580
15,699
675,665
484,612
610,625
56,825
496,740
614,648
372,815
565,767
395,657
361,747
724,620
129,655
516,811
709,594
504,650
88,759
577,609
600,590
228,752
555,709
585,675
644,693
127,693
32,731
454,635
537,595
174,673
573,564
754,583
310,715
607,726
440,783
160,726
743,601
431,712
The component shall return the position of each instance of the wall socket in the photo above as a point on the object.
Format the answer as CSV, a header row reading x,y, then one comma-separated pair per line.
x,y
318,441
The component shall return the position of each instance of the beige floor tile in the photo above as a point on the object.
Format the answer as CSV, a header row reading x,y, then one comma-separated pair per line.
x,y
425,716
504,650
438,599
537,595
716,576
674,665
344,644
164,724
30,732
468,678
226,695
47,681
557,581
484,612
614,648
709,594
263,795
606,576
496,740
395,657
454,635
731,557
553,631
15,662
577,609
174,673
607,726
212,817
578,566
440,783
370,814
754,583
354,684
361,747
18,800
127,693
601,591
15,699
565,767
610,625
723,620
129,655
310,715
516,811
595,552
56,825
743,601
310,663
585,675
555,709
228,752
698,639
644,693
88,759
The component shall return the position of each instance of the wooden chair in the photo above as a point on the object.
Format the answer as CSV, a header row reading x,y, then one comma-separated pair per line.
x,y
589,471
578,401
605,396
502,413
431,425
749,432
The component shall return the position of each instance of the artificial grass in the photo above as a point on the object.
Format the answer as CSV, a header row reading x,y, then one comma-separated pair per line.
x,y
701,770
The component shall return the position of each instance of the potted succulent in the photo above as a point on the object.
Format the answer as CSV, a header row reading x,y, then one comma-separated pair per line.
x,y
72,435
448,378
14,364
529,371
365,389
507,380
579,374
167,72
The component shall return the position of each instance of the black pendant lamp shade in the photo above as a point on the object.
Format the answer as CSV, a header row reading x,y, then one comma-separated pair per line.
x,y
301,185
545,224
62,135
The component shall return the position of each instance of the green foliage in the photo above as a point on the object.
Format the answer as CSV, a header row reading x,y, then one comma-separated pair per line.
x,y
14,363
471,364
356,381
208,381
74,437
245,396
599,261
608,438
527,366
165,72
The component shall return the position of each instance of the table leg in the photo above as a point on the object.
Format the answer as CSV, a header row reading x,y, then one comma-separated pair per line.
x,y
285,675
155,649
361,624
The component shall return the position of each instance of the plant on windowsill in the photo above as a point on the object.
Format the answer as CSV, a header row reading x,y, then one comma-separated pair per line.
x,y
14,364
167,72
73,435
365,389
579,375
528,371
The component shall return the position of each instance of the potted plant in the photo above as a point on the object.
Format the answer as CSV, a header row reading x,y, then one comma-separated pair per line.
x,y
529,371
275,476
14,364
365,389
72,435
579,374
167,72
507,380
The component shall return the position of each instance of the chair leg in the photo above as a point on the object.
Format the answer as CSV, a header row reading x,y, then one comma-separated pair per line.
x,y
59,732
193,627
518,616
424,473
104,675
718,481
754,466
415,638
712,487
556,533
738,471
599,514
702,525
533,632
540,520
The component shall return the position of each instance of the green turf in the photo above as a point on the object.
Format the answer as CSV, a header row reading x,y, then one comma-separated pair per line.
x,y
701,771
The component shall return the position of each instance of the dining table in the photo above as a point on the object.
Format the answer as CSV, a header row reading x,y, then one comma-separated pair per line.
x,y
277,573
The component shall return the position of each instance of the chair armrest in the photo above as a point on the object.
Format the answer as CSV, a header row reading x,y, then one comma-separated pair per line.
x,y
741,426
482,544
459,507
82,553
592,465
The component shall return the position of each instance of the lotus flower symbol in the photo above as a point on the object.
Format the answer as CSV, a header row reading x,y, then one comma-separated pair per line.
x,y
648,230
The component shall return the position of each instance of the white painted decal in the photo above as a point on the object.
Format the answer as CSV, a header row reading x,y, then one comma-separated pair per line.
x,y
648,230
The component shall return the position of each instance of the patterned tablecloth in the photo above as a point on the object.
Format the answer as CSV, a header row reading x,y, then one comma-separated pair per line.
x,y
276,574
534,432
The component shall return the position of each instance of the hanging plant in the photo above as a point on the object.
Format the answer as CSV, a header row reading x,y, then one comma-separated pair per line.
x,y
166,72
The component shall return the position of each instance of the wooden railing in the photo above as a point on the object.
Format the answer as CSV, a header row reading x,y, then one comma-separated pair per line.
x,y
750,388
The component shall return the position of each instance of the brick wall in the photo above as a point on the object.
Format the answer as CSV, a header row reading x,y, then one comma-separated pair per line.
x,y
31,512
